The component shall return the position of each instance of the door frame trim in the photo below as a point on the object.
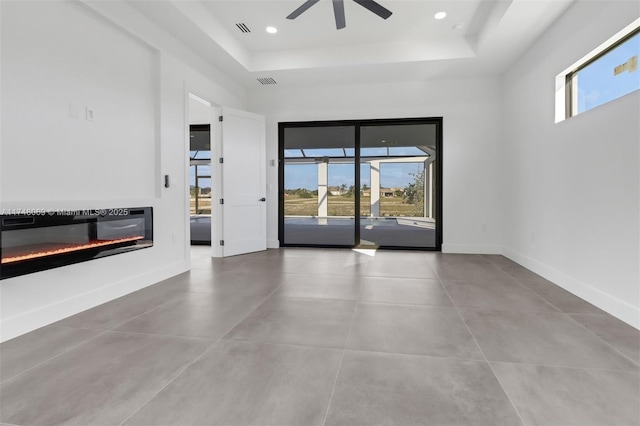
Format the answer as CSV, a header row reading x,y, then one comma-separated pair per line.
x,y
216,173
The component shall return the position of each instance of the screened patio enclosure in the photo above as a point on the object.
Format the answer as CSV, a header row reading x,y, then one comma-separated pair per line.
x,y
371,183
200,183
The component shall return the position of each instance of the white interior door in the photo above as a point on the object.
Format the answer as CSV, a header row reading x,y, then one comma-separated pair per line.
x,y
244,218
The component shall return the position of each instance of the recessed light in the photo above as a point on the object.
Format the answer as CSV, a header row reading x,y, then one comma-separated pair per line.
x,y
272,30
458,27
440,15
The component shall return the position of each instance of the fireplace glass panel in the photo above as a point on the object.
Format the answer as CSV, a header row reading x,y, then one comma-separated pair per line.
x,y
35,243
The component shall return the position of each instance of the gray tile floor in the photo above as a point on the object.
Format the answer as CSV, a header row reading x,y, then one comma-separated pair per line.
x,y
312,337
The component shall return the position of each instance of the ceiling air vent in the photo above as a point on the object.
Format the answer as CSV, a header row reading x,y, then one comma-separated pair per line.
x,y
267,80
243,27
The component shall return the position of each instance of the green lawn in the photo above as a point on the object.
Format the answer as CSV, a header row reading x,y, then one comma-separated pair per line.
x,y
340,205
204,206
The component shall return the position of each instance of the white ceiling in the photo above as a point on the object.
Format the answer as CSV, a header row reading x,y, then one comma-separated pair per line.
x,y
409,45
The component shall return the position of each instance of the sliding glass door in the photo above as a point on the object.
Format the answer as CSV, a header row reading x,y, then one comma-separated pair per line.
x,y
366,183
401,161
319,181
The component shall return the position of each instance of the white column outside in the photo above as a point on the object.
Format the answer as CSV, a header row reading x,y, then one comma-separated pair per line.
x,y
427,188
431,189
375,188
323,181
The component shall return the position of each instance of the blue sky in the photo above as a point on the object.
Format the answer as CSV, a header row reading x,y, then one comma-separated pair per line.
x,y
596,82
392,175
202,170
395,175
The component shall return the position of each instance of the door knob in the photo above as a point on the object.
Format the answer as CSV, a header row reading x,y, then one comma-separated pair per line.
x,y
262,199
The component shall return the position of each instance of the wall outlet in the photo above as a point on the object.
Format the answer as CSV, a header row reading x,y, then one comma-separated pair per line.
x,y
483,228
90,114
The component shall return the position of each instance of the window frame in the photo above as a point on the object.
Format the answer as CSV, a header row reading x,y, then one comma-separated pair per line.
x,y
566,81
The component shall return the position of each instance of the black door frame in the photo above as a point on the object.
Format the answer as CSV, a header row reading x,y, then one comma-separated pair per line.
x,y
438,121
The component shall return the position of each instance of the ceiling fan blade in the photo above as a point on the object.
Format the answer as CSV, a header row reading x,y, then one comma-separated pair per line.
x,y
374,7
338,11
306,5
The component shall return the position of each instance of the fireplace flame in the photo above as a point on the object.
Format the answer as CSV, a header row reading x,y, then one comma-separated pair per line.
x,y
68,249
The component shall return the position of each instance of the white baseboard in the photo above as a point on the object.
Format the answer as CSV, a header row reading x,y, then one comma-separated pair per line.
x,y
29,321
471,249
273,244
616,307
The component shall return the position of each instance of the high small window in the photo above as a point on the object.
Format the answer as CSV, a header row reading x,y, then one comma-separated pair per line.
x,y
605,74
608,77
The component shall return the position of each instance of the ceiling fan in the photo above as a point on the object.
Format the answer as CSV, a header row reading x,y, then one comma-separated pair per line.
x,y
338,10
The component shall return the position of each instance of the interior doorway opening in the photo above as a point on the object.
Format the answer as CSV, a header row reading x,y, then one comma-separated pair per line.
x,y
200,184
200,172
226,175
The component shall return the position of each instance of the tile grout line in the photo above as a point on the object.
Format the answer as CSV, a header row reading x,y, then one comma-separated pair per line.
x,y
366,302
529,288
499,269
405,354
440,357
566,367
113,328
295,345
179,336
488,363
519,281
559,311
344,350
100,333
601,339
199,357
171,380
118,324
176,292
568,314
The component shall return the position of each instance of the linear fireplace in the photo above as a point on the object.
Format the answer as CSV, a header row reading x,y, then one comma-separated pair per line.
x,y
44,240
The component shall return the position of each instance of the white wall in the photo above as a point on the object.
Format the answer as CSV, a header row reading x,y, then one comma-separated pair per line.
x,y
571,189
49,154
471,111
136,78
199,112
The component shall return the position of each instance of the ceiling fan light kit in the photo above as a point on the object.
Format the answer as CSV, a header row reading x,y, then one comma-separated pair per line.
x,y
338,10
